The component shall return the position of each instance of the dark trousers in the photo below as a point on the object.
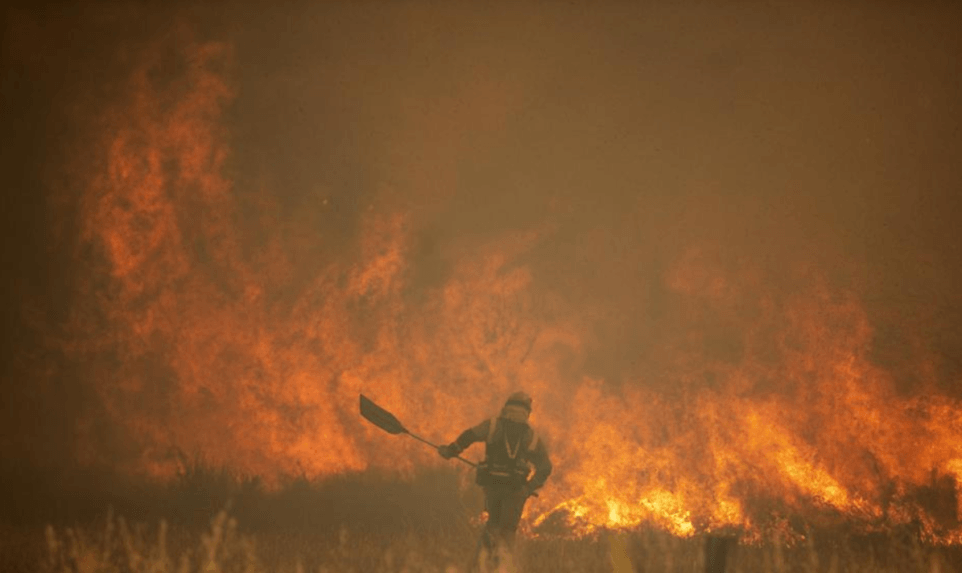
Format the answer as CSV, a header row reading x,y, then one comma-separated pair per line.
x,y
504,507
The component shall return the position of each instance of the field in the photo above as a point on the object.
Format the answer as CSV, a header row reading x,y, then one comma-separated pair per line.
x,y
115,546
210,522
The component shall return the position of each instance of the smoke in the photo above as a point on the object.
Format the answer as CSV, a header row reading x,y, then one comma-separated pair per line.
x,y
229,223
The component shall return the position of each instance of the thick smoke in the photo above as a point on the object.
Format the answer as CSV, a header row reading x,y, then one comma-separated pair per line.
x,y
226,224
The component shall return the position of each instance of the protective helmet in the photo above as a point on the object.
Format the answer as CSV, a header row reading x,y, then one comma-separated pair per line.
x,y
519,399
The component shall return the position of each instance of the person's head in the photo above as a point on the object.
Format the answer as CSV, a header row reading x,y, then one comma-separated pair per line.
x,y
517,408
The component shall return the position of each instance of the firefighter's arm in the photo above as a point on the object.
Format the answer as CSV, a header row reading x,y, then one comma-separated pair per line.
x,y
471,435
542,466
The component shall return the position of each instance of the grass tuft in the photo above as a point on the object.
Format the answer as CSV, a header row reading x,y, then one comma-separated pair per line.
x,y
214,522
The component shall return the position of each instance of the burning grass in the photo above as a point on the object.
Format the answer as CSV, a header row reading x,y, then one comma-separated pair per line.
x,y
371,524
682,377
699,359
113,545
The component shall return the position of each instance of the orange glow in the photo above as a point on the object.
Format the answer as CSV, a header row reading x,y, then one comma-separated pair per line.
x,y
204,334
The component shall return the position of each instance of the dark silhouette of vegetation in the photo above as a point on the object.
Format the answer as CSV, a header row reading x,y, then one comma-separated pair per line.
x,y
95,521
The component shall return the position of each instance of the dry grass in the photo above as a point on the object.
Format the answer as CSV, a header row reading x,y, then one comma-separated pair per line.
x,y
114,546
366,524
117,547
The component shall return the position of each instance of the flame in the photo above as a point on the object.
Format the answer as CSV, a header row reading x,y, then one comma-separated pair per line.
x,y
206,328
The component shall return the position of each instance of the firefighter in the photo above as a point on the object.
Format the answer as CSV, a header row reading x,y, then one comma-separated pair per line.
x,y
512,449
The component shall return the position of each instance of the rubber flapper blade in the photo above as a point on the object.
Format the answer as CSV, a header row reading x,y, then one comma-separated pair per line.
x,y
380,417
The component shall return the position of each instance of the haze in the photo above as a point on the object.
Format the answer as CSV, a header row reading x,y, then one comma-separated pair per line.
x,y
648,171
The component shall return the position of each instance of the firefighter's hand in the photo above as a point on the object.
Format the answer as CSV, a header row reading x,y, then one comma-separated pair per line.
x,y
530,491
449,451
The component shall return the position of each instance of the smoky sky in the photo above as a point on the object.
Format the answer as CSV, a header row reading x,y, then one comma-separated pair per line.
x,y
778,132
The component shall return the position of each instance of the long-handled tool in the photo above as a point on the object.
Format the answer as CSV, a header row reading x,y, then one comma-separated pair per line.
x,y
387,422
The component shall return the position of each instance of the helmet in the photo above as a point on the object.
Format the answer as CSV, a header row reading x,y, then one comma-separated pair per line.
x,y
519,399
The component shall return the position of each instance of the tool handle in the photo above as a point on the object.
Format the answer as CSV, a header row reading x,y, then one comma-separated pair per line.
x,y
435,446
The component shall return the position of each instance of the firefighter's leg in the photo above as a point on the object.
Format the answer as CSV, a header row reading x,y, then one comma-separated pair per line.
x,y
493,502
512,505
490,536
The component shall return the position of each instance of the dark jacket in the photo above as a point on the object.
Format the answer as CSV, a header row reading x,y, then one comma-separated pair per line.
x,y
509,443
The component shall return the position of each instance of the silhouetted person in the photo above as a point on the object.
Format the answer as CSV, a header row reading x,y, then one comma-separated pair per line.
x,y
512,449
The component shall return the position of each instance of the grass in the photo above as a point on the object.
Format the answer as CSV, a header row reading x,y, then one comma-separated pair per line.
x,y
115,546
368,524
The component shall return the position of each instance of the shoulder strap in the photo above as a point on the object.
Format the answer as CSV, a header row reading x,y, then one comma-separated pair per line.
x,y
491,428
534,440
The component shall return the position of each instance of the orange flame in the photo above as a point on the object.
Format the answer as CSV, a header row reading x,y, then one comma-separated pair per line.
x,y
205,329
